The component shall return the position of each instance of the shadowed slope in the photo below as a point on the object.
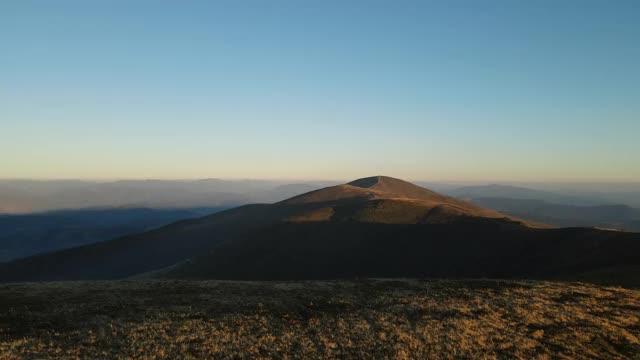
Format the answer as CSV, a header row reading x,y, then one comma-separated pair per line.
x,y
472,249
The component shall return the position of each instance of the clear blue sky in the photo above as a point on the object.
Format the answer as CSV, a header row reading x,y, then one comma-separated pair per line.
x,y
432,90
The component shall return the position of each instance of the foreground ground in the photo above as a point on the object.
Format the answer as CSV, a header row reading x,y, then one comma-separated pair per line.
x,y
333,319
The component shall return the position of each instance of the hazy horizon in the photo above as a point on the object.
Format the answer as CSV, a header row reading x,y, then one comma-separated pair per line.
x,y
312,179
561,186
495,91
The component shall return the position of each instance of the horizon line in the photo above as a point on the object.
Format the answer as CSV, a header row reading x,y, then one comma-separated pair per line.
x,y
345,180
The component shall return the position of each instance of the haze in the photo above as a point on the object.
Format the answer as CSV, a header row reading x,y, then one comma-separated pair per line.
x,y
470,91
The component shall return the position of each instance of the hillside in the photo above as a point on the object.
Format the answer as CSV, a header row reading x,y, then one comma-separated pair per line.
x,y
606,216
383,319
517,192
30,234
382,199
377,226
316,250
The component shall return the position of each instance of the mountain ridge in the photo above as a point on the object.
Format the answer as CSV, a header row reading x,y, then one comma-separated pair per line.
x,y
375,226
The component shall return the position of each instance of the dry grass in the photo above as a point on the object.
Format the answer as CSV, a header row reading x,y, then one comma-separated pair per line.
x,y
335,319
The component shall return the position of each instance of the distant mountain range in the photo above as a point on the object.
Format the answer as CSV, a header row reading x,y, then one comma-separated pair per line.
x,y
619,217
43,216
26,235
127,207
371,227
29,196
551,208
516,192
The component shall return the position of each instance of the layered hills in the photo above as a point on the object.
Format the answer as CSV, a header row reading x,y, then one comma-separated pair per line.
x,y
377,226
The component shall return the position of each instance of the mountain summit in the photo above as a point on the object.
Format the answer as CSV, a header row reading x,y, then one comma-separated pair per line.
x,y
398,187
375,187
383,199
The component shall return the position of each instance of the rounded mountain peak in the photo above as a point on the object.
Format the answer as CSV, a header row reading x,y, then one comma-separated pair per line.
x,y
381,187
398,188
378,181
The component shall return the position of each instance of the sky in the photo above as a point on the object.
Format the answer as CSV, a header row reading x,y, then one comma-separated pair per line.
x,y
422,90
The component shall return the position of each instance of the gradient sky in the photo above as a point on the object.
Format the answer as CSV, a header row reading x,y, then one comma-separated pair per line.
x,y
430,90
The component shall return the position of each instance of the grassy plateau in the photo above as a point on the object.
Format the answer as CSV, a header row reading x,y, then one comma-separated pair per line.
x,y
397,319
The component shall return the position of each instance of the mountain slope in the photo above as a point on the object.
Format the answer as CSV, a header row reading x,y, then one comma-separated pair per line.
x,y
25,235
516,192
386,200
399,188
317,250
369,200
605,216
376,226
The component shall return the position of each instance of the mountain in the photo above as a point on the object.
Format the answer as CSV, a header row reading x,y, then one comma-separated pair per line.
x,y
606,216
376,226
33,196
517,192
586,209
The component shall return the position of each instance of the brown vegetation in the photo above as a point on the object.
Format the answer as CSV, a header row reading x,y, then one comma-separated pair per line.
x,y
331,319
